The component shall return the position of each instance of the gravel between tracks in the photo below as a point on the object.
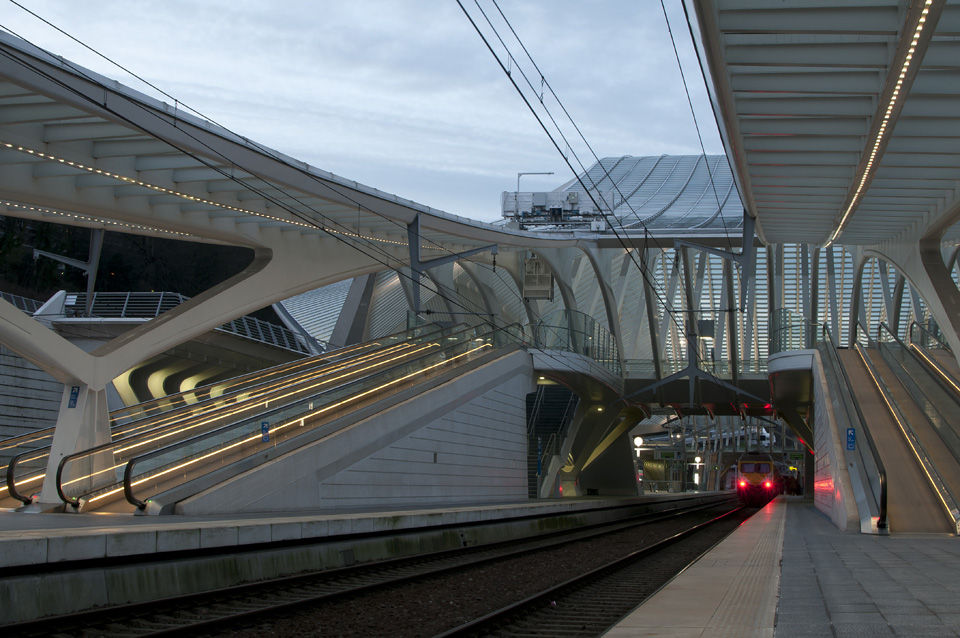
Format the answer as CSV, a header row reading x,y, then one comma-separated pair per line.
x,y
428,608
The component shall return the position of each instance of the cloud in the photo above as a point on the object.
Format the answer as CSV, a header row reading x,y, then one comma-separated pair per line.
x,y
402,96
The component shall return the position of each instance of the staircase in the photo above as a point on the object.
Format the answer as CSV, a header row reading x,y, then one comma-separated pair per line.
x,y
549,411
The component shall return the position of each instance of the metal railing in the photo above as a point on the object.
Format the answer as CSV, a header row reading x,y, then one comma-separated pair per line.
x,y
535,412
25,304
194,459
645,368
790,331
96,475
552,448
949,439
147,305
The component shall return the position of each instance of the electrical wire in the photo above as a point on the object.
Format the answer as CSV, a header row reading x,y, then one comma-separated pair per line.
x,y
544,84
306,218
266,151
367,247
440,290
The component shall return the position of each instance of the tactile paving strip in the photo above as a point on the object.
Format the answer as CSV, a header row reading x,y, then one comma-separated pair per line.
x,y
731,592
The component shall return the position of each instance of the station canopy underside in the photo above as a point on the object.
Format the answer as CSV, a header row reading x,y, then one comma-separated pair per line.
x,y
840,118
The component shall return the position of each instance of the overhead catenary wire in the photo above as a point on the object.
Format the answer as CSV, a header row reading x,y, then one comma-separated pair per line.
x,y
539,93
696,124
369,248
259,147
615,184
544,86
359,242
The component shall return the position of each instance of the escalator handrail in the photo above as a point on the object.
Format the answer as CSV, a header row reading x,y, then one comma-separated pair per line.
x,y
881,470
239,379
157,430
943,344
950,392
15,441
12,442
939,485
186,412
128,470
11,475
866,332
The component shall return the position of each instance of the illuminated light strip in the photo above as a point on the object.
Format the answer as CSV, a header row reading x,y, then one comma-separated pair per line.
x,y
883,125
909,438
194,198
219,412
257,436
145,412
223,413
936,366
239,404
24,481
272,386
96,220
290,370
36,436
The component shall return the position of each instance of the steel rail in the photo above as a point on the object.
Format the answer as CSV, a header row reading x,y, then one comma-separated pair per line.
x,y
243,603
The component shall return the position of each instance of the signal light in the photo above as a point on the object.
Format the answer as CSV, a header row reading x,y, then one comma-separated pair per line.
x,y
768,484
743,483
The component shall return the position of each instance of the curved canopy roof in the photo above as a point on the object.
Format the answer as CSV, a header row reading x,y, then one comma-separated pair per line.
x,y
679,192
841,117
77,145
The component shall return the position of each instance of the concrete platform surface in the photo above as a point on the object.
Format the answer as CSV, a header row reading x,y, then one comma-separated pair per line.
x,y
789,573
37,539
730,591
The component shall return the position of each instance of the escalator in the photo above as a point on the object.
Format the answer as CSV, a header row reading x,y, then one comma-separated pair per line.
x,y
152,471
912,503
175,415
914,423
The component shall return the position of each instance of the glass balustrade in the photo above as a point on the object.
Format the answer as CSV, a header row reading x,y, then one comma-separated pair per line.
x,y
577,332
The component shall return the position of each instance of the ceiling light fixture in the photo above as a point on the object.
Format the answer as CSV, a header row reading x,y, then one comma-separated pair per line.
x,y
867,170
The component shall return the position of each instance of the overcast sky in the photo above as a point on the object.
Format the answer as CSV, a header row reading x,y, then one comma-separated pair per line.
x,y
401,95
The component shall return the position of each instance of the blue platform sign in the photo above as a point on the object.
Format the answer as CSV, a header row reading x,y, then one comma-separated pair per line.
x,y
851,439
74,395
265,430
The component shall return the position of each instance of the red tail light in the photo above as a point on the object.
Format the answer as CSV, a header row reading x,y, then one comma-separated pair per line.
x,y
743,483
768,484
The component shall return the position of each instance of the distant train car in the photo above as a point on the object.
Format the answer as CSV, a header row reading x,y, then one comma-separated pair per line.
x,y
758,480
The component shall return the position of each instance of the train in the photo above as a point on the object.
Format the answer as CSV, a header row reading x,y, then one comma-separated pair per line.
x,y
758,478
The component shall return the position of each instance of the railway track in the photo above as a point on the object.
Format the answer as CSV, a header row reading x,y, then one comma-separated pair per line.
x,y
228,611
589,604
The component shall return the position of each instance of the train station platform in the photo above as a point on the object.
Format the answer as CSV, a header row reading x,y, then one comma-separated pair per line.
x,y
788,572
78,561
